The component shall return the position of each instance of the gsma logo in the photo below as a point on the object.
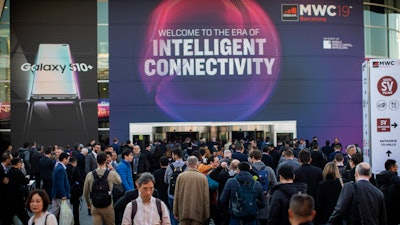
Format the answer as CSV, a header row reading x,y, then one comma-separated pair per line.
x,y
290,12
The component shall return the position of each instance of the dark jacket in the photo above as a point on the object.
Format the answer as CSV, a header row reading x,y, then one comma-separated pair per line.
x,y
160,185
232,186
81,162
280,199
275,156
149,158
327,150
240,156
327,196
2,185
318,159
46,168
310,175
372,205
389,183
61,186
16,190
75,180
221,175
34,160
267,160
143,165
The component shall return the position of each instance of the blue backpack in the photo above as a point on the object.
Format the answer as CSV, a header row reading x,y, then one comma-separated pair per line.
x,y
245,205
263,178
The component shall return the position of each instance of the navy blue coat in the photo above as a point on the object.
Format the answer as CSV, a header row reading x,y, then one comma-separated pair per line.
x,y
61,186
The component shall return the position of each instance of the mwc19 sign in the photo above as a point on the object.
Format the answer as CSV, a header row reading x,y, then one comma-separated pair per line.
x,y
381,111
231,60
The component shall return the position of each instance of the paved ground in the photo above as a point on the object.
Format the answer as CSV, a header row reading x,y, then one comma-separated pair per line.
x,y
85,219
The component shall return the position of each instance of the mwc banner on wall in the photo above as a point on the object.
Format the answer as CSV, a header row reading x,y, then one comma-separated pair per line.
x,y
239,60
53,72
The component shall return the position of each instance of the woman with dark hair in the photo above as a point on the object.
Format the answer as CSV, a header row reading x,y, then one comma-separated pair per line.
x,y
328,192
37,202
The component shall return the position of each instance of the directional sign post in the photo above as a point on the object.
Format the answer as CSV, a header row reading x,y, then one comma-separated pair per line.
x,y
381,95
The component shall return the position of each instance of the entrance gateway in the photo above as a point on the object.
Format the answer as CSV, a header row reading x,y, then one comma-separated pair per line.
x,y
145,133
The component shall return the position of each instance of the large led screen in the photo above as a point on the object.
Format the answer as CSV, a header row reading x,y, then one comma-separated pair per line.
x,y
238,60
53,72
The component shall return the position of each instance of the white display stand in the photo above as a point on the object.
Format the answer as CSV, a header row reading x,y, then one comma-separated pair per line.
x,y
381,113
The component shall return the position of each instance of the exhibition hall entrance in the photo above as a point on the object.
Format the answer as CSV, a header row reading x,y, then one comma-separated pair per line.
x,y
180,136
222,131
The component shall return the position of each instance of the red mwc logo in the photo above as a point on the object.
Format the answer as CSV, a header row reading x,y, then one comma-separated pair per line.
x,y
387,86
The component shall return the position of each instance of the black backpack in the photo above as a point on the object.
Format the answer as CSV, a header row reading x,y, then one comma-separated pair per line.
x,y
100,194
134,209
175,172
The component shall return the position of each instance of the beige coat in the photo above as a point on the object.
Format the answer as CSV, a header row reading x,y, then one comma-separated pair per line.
x,y
192,199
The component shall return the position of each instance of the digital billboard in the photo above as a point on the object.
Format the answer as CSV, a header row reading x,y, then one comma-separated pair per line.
x,y
239,60
53,72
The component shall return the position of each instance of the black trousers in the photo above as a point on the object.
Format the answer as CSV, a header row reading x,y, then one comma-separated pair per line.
x,y
75,201
20,212
47,186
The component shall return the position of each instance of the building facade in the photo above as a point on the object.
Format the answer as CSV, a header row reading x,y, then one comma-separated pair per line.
x,y
381,36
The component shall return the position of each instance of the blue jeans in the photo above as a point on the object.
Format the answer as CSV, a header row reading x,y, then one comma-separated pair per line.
x,y
171,211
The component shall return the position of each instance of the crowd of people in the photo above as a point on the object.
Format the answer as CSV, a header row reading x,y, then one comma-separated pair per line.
x,y
198,182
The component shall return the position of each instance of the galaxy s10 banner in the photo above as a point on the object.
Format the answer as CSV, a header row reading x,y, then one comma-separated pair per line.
x,y
238,60
53,71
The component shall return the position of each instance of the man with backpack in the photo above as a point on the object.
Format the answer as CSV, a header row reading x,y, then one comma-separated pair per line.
x,y
97,191
267,178
137,211
170,177
244,196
